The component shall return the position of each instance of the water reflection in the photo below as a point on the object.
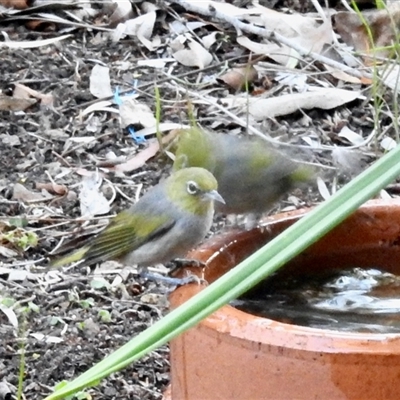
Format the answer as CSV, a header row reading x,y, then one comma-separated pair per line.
x,y
352,300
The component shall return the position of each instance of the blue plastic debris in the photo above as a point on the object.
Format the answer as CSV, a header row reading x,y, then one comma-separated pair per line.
x,y
118,100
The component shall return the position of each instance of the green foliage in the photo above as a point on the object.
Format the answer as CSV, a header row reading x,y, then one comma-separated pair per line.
x,y
7,301
380,4
76,396
99,283
18,238
81,325
104,316
18,222
30,307
53,321
87,303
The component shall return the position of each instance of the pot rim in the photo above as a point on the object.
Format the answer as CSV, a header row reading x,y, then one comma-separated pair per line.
x,y
241,325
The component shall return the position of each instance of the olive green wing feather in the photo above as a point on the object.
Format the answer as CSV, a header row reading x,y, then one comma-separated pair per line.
x,y
124,234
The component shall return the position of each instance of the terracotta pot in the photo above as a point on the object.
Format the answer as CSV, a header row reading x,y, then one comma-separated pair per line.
x,y
234,355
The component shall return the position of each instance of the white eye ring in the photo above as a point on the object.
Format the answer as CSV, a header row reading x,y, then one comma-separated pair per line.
x,y
192,187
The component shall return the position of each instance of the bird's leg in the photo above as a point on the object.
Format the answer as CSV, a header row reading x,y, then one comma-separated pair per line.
x,y
190,278
179,263
176,269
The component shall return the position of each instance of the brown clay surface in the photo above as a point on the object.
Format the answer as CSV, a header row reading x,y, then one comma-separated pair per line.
x,y
233,355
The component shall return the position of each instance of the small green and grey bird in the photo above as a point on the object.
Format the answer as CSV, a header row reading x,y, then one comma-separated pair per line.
x,y
251,175
168,221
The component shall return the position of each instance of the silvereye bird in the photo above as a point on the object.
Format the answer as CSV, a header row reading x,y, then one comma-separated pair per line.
x,y
167,222
251,175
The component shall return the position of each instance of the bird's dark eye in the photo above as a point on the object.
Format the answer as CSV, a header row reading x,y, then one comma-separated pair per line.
x,y
192,187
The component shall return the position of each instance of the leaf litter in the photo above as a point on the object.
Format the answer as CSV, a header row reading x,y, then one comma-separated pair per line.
x,y
70,162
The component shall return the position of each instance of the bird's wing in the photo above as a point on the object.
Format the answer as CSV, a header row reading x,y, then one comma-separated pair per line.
x,y
125,234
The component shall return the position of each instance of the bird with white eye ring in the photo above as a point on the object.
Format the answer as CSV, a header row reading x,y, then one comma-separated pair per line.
x,y
168,221
251,175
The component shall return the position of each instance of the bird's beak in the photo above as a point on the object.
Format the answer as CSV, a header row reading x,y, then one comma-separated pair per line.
x,y
214,195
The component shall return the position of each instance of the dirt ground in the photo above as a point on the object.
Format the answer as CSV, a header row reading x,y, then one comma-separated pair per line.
x,y
66,321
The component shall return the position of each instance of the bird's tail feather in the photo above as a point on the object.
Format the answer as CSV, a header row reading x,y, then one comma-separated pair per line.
x,y
69,258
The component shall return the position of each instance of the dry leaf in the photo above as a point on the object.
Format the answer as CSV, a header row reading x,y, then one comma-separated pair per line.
x,y
122,11
302,30
10,140
324,98
100,85
391,77
353,137
5,391
92,201
145,30
18,4
163,127
43,26
93,124
21,193
158,63
22,91
195,56
7,253
52,188
8,103
18,275
82,139
387,143
140,159
281,54
238,78
85,172
341,75
230,10
383,24
86,11
10,314
142,27
137,114
103,105
46,338
210,39
296,81
323,189
30,45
